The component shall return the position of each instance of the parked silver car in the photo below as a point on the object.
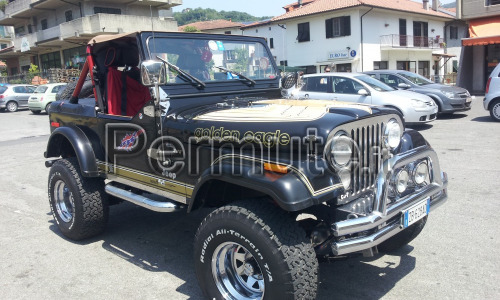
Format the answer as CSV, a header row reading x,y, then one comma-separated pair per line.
x,y
14,96
449,98
361,88
491,100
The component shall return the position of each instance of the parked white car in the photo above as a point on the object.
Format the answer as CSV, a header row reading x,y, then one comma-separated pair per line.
x,y
491,100
361,88
43,96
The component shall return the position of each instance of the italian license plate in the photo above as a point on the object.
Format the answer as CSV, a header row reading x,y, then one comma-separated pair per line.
x,y
415,213
468,100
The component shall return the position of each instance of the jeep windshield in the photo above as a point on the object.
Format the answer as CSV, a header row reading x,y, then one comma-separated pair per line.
x,y
213,60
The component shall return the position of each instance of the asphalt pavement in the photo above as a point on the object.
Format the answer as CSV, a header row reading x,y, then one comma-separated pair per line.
x,y
148,255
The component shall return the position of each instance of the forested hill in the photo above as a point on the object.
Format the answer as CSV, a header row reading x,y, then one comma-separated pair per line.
x,y
201,14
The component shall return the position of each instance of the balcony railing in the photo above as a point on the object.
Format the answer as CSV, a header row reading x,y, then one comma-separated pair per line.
x,y
410,41
17,6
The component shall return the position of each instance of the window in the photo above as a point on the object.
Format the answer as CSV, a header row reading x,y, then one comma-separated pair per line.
x,y
303,35
51,60
30,28
20,89
230,55
403,39
453,32
271,43
346,86
316,84
380,65
343,67
69,15
107,10
406,65
44,24
57,88
336,27
491,2
284,63
420,34
391,80
74,57
455,66
227,32
19,30
423,68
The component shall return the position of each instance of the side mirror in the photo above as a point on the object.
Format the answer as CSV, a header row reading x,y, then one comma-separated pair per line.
x,y
363,92
153,72
403,85
289,80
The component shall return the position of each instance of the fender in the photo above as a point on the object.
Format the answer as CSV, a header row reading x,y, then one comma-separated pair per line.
x,y
436,99
287,190
81,145
411,139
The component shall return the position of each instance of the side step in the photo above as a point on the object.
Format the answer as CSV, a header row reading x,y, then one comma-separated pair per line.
x,y
143,201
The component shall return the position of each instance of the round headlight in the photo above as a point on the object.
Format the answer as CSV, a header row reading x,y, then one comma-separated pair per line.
x,y
341,150
392,134
420,172
402,181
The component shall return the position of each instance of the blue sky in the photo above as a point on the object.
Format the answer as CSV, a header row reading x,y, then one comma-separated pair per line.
x,y
258,8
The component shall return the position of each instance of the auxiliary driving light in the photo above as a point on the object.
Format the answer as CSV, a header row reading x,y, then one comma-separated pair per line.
x,y
420,173
402,181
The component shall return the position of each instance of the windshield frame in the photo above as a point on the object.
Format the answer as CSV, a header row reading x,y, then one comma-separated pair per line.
x,y
272,73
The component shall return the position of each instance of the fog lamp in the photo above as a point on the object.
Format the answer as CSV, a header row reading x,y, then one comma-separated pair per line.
x,y
402,179
420,173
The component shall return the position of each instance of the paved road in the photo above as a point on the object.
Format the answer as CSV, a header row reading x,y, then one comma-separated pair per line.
x,y
148,255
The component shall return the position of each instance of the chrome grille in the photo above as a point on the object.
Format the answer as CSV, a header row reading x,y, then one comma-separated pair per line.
x,y
367,157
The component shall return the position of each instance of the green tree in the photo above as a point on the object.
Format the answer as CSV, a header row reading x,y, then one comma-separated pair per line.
x,y
191,29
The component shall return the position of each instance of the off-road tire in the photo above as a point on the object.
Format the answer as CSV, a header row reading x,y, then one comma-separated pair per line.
x,y
284,255
90,211
66,92
495,110
12,106
35,112
403,238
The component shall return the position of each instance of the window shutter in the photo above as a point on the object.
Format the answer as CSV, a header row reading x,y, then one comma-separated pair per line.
x,y
347,25
329,28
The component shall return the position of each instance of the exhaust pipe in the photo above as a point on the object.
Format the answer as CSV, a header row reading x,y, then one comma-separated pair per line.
x,y
141,200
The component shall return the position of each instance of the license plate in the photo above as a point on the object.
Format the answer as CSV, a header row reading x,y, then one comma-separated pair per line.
x,y
415,213
468,100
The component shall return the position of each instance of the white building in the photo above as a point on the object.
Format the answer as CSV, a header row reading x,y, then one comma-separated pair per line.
x,y
362,35
275,36
53,33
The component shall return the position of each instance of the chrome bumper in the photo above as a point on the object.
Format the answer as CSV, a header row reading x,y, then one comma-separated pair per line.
x,y
381,213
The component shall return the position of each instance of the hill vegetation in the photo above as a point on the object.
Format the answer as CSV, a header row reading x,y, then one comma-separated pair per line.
x,y
189,15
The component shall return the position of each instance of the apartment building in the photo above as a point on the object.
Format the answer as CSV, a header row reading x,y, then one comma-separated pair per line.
x,y
53,33
275,36
362,35
481,48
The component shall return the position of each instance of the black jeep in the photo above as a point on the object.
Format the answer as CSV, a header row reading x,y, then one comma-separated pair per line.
x,y
182,121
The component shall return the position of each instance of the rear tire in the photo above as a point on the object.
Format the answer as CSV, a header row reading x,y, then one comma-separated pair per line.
x,y
495,110
403,238
253,250
12,106
79,204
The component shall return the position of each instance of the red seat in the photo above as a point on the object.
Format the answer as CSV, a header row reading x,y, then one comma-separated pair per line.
x,y
136,94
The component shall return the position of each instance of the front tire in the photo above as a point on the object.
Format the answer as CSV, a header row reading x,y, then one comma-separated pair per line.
x,y
403,238
12,106
495,110
79,204
253,250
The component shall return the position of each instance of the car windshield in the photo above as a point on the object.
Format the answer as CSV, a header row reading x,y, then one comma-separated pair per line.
x,y
415,78
374,83
41,89
202,58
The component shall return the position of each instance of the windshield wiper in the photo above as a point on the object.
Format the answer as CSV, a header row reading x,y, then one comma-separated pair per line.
x,y
184,75
241,76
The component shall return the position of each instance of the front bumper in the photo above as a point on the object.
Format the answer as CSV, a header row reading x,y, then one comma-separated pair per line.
x,y
383,222
456,105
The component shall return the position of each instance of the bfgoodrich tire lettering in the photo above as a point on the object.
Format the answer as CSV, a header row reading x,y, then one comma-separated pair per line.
x,y
79,205
276,248
403,238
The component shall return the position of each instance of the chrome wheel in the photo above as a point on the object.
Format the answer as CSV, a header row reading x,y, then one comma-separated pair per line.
x,y
495,111
236,273
64,201
12,106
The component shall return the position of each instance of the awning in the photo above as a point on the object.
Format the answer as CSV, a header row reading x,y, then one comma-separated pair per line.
x,y
483,32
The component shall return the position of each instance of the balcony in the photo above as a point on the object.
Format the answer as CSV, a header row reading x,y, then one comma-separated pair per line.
x,y
394,41
18,8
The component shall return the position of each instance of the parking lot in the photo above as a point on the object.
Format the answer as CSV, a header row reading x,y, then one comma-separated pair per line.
x,y
148,255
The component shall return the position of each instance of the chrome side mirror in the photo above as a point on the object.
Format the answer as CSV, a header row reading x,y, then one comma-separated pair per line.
x,y
363,92
153,72
403,85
